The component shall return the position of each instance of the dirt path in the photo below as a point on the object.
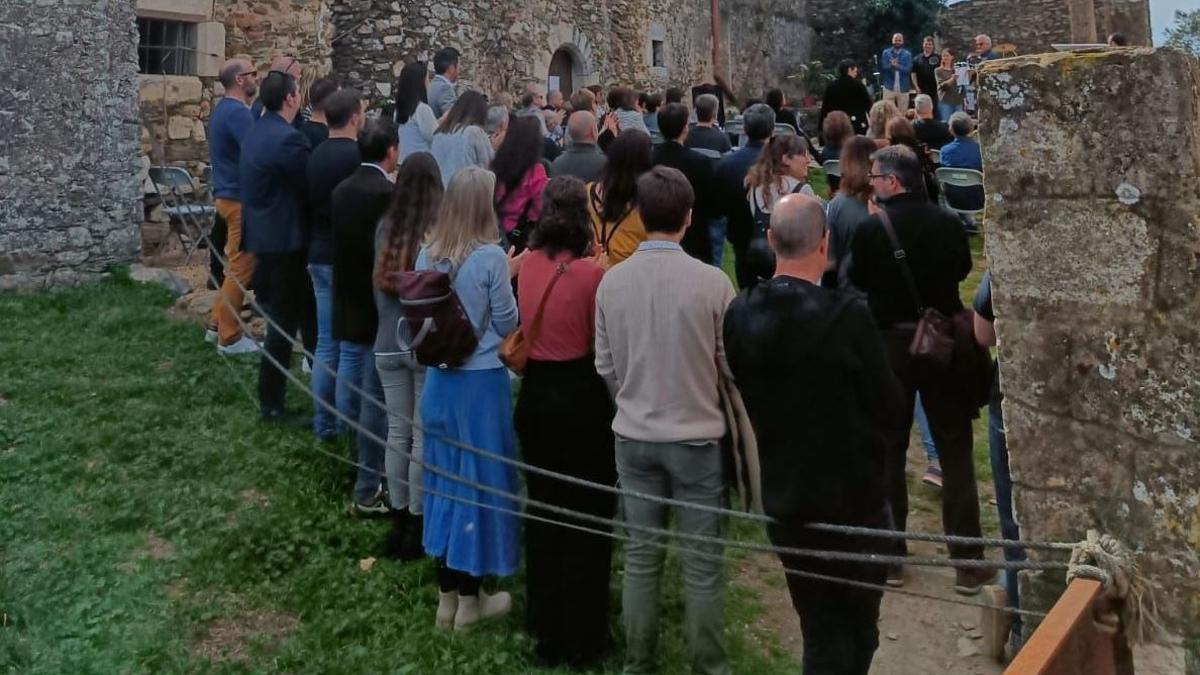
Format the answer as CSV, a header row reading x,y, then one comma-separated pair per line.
x,y
915,635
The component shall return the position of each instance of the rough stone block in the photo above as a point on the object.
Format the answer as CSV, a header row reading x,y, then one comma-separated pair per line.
x,y
1093,177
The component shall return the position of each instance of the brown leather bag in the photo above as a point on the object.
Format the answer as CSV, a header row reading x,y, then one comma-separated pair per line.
x,y
933,340
433,324
514,351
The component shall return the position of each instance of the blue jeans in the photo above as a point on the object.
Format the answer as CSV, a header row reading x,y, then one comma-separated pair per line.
x,y
325,423
350,363
931,452
372,417
716,234
1002,481
945,110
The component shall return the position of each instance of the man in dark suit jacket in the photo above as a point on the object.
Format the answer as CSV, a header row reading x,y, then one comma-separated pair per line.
x,y
758,123
356,207
274,210
698,169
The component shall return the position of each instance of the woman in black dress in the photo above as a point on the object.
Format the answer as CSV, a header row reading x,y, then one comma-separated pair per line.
x,y
848,94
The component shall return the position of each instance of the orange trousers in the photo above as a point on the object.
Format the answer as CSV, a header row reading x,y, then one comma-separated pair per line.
x,y
239,266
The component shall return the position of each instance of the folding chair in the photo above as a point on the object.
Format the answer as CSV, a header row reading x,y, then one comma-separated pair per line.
x,y
935,156
708,152
656,137
180,197
734,128
962,178
832,167
784,130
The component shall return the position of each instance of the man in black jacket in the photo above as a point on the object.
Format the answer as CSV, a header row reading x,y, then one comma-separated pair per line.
x,y
758,123
934,249
698,169
357,205
823,401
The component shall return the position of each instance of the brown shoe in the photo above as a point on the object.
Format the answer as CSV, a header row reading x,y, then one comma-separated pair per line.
x,y
968,581
895,576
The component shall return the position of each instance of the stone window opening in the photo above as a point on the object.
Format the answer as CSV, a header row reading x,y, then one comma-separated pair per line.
x,y
166,47
658,57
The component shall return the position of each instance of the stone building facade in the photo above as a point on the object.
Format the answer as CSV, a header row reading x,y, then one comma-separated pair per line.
x,y
647,43
1096,261
1034,25
70,199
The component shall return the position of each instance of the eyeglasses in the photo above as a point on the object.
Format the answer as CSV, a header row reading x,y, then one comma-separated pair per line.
x,y
873,176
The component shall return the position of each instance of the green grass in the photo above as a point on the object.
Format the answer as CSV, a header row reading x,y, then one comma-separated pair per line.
x,y
147,521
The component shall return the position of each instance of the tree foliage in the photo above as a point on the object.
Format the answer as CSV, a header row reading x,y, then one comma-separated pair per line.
x,y
1185,34
914,18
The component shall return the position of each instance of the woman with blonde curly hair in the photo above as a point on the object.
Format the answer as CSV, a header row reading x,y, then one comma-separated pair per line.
x,y
881,113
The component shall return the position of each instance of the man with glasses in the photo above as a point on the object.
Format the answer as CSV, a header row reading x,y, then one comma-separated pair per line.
x,y
227,126
933,247
821,447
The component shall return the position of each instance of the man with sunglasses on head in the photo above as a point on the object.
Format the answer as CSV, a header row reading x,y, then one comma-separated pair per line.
x,y
921,269
274,189
227,126
289,65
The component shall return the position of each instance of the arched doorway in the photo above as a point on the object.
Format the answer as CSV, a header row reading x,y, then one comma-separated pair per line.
x,y
563,66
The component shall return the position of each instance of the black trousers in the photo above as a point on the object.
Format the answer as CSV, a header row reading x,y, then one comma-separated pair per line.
x,y
950,422
564,422
839,622
217,236
285,290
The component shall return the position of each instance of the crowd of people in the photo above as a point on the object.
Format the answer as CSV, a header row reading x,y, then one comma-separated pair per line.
x,y
595,227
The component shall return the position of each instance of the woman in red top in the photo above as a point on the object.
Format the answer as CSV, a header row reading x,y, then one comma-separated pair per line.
x,y
520,179
563,420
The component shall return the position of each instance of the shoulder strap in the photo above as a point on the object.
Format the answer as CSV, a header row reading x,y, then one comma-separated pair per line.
x,y
901,259
606,235
535,326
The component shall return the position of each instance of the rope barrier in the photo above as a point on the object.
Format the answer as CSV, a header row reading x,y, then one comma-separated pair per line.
x,y
622,492
663,545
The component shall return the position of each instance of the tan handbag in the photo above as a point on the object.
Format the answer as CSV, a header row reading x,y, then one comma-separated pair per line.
x,y
514,350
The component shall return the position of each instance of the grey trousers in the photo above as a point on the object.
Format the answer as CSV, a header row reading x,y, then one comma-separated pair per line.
x,y
688,472
402,379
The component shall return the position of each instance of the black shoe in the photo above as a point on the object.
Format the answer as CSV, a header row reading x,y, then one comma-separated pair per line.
x,y
394,542
284,419
411,547
969,580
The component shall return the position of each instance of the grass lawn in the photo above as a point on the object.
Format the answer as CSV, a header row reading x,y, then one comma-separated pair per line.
x,y
149,524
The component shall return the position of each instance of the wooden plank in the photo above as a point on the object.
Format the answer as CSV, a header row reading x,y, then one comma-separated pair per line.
x,y
1067,642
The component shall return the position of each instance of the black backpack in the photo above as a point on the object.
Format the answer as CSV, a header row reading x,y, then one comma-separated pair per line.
x,y
760,259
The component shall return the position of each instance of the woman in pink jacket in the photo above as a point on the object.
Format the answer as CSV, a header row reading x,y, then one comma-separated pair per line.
x,y
520,179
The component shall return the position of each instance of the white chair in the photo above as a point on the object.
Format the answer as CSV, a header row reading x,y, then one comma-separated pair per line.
x,y
962,178
935,156
832,167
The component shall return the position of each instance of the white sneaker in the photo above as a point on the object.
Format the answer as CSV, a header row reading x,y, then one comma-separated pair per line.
x,y
306,366
476,608
244,345
210,335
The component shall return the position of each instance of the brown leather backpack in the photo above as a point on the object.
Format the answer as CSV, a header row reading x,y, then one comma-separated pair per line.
x,y
433,324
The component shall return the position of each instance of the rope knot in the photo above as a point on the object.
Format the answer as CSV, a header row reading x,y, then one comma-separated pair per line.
x,y
1128,598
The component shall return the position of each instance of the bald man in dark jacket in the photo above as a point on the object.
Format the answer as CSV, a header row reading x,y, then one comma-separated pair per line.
x,y
811,368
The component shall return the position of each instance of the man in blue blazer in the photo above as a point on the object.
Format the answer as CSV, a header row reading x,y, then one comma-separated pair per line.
x,y
272,172
895,69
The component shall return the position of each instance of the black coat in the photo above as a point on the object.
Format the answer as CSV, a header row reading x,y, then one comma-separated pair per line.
x,y
357,205
851,97
814,375
699,171
937,253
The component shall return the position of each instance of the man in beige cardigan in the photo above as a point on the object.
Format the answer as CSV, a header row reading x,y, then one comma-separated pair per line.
x,y
659,348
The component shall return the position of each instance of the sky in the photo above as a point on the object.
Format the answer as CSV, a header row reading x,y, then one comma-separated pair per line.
x,y
1162,14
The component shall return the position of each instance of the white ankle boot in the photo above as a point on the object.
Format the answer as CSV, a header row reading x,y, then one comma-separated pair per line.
x,y
472,608
447,611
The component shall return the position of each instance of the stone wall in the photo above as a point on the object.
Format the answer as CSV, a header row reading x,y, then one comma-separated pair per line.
x,y
69,188
508,45
1033,25
1093,235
